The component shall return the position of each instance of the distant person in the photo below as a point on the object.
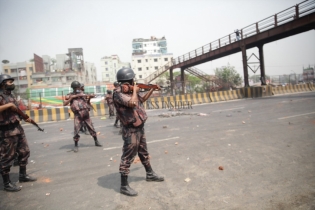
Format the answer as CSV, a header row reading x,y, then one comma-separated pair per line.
x,y
83,128
237,33
110,104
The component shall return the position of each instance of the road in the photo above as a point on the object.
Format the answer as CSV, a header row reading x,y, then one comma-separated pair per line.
x,y
266,147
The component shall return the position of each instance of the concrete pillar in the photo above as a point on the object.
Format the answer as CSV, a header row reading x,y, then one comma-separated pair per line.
x,y
182,79
245,69
262,65
172,81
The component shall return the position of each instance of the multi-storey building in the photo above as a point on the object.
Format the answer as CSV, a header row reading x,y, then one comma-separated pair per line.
x,y
149,55
109,67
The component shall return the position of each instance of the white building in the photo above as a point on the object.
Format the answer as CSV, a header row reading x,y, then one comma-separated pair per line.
x,y
148,56
109,67
61,62
90,73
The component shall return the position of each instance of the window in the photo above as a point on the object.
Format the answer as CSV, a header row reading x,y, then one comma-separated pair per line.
x,y
106,69
105,62
6,70
147,68
145,45
155,59
154,50
146,60
107,75
31,69
156,68
139,61
154,44
115,64
139,69
165,59
140,76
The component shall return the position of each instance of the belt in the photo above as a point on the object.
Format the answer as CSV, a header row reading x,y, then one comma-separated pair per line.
x,y
9,126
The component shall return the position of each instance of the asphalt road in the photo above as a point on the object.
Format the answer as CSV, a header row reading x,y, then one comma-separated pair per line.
x,y
266,147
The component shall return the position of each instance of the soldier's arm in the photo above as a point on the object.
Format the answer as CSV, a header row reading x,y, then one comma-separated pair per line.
x,y
68,99
119,98
147,95
8,106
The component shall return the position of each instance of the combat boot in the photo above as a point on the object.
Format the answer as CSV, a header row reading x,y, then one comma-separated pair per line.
x,y
125,188
8,185
152,176
23,177
76,147
97,143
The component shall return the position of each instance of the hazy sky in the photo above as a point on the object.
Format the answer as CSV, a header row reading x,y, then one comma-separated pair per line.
x,y
107,27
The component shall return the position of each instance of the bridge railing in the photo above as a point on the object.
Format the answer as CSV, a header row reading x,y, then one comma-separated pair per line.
x,y
304,8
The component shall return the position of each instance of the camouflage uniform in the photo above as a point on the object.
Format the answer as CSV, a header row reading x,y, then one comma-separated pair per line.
x,y
80,108
133,120
12,137
110,103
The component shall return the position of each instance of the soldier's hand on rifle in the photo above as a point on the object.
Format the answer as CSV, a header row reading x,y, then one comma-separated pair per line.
x,y
158,87
12,107
28,120
136,89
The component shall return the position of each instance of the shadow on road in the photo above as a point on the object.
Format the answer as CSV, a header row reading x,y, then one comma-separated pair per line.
x,y
112,181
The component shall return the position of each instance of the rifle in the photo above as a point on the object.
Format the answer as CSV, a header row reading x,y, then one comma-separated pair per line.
x,y
25,117
128,88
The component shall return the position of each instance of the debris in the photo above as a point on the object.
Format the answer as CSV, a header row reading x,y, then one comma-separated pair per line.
x,y
229,144
98,133
47,145
202,114
229,115
243,122
136,160
34,142
188,158
221,168
187,180
165,152
47,193
61,162
197,125
164,126
103,118
176,143
111,159
117,155
108,165
32,161
249,111
225,201
61,129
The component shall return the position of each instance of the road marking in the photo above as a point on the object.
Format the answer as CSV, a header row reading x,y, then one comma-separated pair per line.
x,y
282,118
154,141
228,109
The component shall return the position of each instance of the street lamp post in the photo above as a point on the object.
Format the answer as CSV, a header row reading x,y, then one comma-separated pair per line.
x,y
294,76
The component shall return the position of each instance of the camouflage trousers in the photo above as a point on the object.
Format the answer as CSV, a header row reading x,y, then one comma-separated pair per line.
x,y
111,109
78,123
8,147
134,143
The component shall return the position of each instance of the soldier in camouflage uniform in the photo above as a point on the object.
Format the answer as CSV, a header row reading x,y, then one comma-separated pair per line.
x,y
110,103
83,128
12,136
130,109
116,85
79,104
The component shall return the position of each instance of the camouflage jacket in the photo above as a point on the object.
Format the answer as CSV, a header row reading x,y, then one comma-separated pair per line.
x,y
109,99
129,116
78,104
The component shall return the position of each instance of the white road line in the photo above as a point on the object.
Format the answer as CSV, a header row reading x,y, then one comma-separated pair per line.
x,y
282,118
154,141
228,109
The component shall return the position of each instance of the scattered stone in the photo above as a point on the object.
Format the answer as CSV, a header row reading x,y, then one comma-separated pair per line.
x,y
221,168
61,129
176,143
243,122
47,193
229,115
202,114
98,133
187,180
165,152
164,126
229,145
111,159
249,111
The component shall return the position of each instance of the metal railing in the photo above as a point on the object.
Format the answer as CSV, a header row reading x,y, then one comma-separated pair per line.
x,y
302,9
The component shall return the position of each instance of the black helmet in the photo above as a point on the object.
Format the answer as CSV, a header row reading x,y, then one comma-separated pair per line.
x,y
125,74
82,85
75,84
4,77
109,91
116,84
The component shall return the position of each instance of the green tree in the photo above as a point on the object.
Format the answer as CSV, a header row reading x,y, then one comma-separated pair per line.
x,y
5,61
228,75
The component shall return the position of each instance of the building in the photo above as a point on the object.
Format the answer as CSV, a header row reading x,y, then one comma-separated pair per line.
x,y
22,74
148,56
149,46
109,67
308,74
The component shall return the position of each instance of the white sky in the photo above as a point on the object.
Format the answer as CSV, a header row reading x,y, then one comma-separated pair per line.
x,y
107,27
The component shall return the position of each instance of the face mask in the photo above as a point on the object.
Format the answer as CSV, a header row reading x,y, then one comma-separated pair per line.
x,y
78,91
9,87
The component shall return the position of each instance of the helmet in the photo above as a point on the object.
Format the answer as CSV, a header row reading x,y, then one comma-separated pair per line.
x,y
4,77
75,84
125,74
82,85
109,91
116,84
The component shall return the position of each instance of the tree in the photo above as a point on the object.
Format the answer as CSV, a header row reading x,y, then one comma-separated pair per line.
x,y
228,75
5,61
31,60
